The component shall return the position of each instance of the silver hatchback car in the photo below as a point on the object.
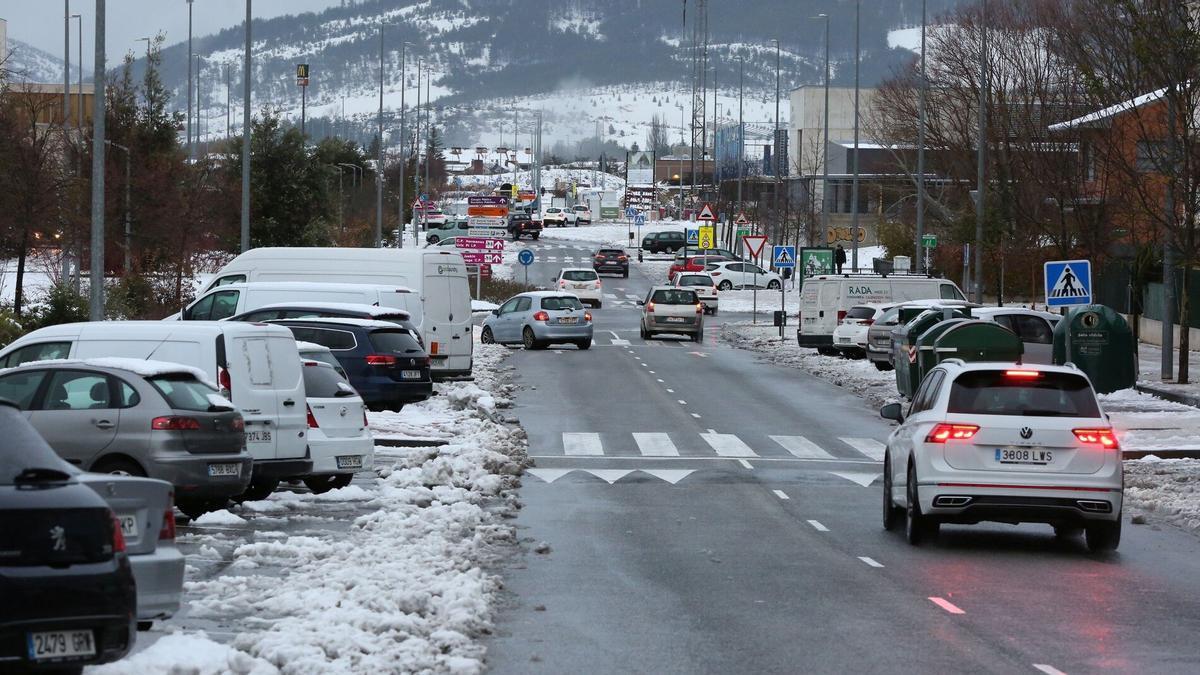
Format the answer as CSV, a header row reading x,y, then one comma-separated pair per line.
x,y
667,309
537,319
137,418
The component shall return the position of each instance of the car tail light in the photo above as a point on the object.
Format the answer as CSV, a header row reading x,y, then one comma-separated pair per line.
x,y
716,274
238,424
118,539
167,531
650,307
597,283
587,316
224,380
867,322
433,348
623,258
175,423
951,432
541,316
562,284
381,359
1024,374
841,315
312,421
699,307
1097,438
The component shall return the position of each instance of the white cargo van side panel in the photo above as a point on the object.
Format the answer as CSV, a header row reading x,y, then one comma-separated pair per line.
x,y
446,299
189,353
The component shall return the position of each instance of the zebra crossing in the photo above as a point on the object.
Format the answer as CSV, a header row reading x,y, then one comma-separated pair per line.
x,y
717,445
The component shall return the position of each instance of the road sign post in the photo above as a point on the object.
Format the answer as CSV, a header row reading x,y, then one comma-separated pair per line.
x,y
1068,283
525,257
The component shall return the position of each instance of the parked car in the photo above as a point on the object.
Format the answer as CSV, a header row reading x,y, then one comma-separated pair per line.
x,y
235,299
672,310
430,215
386,365
850,337
1006,443
333,310
611,259
523,225
732,274
68,586
138,418
555,216
663,242
693,263
583,283
705,287
338,434
311,351
879,334
583,214
537,319
1036,329
256,366
447,229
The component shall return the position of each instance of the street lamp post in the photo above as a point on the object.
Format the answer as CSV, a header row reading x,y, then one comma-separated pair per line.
x,y
824,154
128,246
66,61
403,153
96,277
854,186
981,156
79,34
379,157
191,151
246,136
775,133
919,259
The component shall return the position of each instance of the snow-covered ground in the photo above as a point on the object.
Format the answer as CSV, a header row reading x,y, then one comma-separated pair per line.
x,y
610,233
1164,490
388,574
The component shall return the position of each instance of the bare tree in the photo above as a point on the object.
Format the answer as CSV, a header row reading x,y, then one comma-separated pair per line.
x,y
656,137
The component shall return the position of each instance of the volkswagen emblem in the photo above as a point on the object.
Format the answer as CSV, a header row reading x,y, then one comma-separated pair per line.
x,y
110,489
343,411
1026,433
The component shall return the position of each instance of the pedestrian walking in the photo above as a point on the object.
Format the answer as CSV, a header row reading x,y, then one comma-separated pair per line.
x,y
839,258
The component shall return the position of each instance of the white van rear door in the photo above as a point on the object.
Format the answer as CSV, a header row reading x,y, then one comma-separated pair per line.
x,y
251,380
289,387
447,308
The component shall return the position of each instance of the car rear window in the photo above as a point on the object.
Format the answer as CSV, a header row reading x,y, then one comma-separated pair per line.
x,y
561,302
611,251
695,280
184,392
674,297
337,340
323,357
998,392
322,382
579,275
394,342
860,313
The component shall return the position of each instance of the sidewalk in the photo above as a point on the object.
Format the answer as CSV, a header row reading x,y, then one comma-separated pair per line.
x,y
1150,376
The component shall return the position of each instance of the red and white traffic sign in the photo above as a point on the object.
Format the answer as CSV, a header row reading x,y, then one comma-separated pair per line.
x,y
482,258
741,220
754,243
479,243
707,213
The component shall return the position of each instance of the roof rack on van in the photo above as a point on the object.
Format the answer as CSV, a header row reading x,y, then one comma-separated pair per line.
x,y
883,275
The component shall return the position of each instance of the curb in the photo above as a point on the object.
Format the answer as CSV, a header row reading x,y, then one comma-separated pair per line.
x,y
1162,454
408,443
1166,394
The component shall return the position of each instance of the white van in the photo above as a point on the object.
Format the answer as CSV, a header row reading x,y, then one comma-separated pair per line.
x,y
825,299
256,366
438,277
230,300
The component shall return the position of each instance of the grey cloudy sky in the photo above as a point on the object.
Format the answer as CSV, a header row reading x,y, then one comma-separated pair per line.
x,y
40,23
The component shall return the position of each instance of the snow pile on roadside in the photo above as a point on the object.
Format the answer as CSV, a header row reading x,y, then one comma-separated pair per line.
x,y
405,590
611,234
858,376
193,654
768,302
1164,490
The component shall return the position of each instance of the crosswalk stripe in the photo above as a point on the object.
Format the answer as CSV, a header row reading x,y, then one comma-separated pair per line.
x,y
867,446
801,447
582,444
728,445
631,296
610,296
656,445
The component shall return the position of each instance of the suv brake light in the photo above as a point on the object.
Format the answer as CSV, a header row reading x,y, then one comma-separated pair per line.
x,y
225,381
118,539
1098,438
312,421
1030,374
951,432
650,307
381,359
699,308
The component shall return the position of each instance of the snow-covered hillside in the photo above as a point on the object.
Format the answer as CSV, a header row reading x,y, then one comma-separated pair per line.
x,y
27,63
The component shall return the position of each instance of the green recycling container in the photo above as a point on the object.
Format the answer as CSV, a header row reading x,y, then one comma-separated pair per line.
x,y
926,356
904,339
978,341
1099,342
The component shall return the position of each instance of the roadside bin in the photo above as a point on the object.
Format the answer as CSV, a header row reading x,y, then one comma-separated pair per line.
x,y
1100,343
904,338
926,356
977,341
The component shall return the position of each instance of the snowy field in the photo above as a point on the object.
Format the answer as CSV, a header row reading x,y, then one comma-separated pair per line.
x,y
611,233
389,574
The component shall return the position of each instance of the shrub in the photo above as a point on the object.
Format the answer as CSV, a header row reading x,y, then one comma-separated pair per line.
x,y
59,304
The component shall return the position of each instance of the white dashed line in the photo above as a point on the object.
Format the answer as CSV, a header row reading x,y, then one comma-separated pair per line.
x,y
781,494
711,431
1048,669
695,415
660,380
818,526
682,402
670,391
869,561
946,605
645,365
652,372
747,465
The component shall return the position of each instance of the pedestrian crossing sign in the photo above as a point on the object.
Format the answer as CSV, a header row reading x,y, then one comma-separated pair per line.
x,y
1068,283
783,257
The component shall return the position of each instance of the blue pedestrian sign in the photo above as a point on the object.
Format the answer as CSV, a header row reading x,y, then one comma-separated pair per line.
x,y
783,257
525,257
630,212
1068,283
639,220
693,236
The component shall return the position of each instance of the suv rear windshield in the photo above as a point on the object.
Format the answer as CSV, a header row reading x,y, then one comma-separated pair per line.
x,y
695,280
994,392
611,251
579,275
561,302
184,392
394,342
674,297
322,382
860,313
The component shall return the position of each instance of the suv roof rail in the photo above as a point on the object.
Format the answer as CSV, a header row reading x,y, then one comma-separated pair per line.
x,y
955,361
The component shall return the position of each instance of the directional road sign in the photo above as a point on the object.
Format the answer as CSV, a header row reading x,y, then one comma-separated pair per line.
x,y
482,257
479,243
693,236
487,221
754,243
707,213
525,257
929,240
783,257
708,238
1068,283
487,200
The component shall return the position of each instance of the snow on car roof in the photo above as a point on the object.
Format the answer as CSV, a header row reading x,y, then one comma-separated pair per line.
x,y
142,367
342,321
303,346
370,310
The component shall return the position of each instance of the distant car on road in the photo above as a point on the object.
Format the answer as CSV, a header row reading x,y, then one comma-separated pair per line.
x,y
556,216
611,259
523,225
583,214
1003,442
693,263
879,334
663,242
448,229
583,283
676,311
705,287
850,337
735,274
537,319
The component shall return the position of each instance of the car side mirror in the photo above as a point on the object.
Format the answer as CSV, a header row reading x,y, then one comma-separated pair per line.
x,y
641,303
892,411
496,312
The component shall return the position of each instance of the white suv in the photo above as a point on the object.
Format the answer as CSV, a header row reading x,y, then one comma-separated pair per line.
x,y
850,337
1007,443
583,214
582,282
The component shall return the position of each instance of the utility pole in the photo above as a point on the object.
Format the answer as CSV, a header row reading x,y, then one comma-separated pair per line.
x,y
981,156
918,259
403,153
741,158
79,108
96,277
199,129
191,150
775,133
825,141
228,96
379,158
429,123
67,61
246,74
854,186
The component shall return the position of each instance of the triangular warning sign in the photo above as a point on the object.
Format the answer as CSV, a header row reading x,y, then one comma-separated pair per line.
x,y
1069,285
783,256
741,219
754,243
706,213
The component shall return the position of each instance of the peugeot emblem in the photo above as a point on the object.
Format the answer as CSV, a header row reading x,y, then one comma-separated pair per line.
x,y
1026,433
344,411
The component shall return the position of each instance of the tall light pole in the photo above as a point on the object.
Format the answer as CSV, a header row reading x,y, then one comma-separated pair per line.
x,y
741,159
379,158
191,150
228,97
96,276
199,124
775,131
919,259
854,185
79,35
981,155
246,136
429,124
403,153
825,139
66,61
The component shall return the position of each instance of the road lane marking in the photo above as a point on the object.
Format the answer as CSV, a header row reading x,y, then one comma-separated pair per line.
x,y
781,494
660,380
652,372
728,445
670,391
582,444
863,479
695,415
946,605
711,431
672,476
818,526
682,402
549,475
746,464
620,343
610,475
1048,669
801,447
867,446
613,332
656,445
645,365
869,561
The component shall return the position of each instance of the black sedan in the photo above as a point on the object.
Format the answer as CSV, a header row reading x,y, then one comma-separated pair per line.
x,y
614,260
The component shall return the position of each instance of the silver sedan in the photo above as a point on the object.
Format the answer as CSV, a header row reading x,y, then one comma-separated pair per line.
x,y
537,319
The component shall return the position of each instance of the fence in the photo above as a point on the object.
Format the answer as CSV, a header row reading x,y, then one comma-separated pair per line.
x,y
1112,287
